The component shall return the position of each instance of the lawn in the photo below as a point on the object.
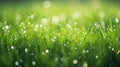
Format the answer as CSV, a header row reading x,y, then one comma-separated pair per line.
x,y
51,34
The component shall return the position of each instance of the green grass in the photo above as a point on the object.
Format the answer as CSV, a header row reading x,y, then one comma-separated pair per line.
x,y
78,36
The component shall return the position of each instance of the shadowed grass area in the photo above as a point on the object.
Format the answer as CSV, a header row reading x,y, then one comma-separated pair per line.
x,y
57,35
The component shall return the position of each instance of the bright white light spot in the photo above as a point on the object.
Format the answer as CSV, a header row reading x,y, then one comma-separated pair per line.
x,y
68,25
36,26
12,47
44,21
41,25
55,19
16,63
26,50
117,20
102,24
47,4
32,16
33,63
75,61
87,51
47,51
75,48
113,49
53,40
6,27
96,25
85,64
96,57
24,31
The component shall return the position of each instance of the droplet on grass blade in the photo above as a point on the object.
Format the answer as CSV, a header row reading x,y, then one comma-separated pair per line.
x,y
87,51
47,51
26,50
12,47
55,19
96,25
44,21
96,56
32,16
116,20
16,63
33,63
75,61
85,64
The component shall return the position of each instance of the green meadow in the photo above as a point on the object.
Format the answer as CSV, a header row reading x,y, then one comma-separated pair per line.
x,y
52,34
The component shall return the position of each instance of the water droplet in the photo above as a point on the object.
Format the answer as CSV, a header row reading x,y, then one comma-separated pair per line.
x,y
96,57
75,61
12,47
87,51
116,20
41,25
113,49
47,4
33,63
44,21
55,19
85,64
102,24
16,63
68,25
96,25
24,31
26,50
47,51
32,16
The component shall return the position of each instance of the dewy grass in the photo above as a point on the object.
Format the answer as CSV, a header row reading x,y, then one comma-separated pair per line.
x,y
52,37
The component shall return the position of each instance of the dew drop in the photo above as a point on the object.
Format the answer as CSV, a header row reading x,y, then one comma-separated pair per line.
x,y
85,64
33,63
26,50
16,63
75,61
47,51
12,47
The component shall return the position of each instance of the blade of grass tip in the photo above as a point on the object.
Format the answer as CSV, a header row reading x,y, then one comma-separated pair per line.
x,y
111,32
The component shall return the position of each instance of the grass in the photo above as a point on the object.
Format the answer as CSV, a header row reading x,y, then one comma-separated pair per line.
x,y
59,36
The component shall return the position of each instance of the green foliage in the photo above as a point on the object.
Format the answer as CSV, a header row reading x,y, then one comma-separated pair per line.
x,y
59,36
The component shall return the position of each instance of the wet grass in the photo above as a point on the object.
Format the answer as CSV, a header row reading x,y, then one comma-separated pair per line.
x,y
35,36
